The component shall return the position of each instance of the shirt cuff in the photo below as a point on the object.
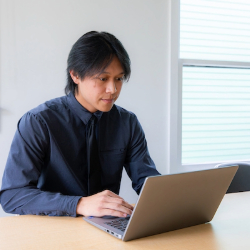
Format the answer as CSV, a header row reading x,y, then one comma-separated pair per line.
x,y
69,205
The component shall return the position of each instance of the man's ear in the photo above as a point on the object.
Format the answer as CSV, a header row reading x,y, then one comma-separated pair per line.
x,y
74,77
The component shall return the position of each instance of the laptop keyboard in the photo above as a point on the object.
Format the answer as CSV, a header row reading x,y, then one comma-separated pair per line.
x,y
120,223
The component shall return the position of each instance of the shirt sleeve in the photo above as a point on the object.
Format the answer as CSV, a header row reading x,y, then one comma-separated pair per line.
x,y
138,163
19,193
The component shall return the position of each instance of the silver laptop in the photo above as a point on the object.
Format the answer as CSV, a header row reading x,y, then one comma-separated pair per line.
x,y
170,202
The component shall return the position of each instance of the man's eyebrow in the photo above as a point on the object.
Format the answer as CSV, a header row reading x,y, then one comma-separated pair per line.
x,y
104,72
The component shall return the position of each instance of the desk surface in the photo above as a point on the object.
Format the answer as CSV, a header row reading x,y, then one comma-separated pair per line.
x,y
228,230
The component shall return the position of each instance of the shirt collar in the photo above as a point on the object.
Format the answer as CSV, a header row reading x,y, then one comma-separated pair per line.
x,y
80,111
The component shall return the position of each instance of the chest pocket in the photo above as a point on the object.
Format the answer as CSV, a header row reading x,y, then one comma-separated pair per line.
x,y
113,158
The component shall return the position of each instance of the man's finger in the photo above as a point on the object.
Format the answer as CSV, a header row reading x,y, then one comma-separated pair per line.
x,y
119,200
117,206
116,198
112,212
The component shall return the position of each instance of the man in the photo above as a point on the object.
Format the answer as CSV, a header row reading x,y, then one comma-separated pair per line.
x,y
67,155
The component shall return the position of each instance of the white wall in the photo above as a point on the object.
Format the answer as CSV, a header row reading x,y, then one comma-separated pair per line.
x,y
36,37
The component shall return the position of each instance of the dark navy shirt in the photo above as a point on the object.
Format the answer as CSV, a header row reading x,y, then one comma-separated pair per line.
x,y
46,170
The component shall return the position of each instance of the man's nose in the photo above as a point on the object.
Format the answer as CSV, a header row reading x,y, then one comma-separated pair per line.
x,y
111,87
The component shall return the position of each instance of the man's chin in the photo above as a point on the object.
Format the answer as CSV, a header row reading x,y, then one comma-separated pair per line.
x,y
106,109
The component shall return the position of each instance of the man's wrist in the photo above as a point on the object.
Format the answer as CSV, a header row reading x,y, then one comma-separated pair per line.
x,y
79,206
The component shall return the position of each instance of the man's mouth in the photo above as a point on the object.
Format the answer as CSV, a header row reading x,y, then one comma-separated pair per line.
x,y
108,100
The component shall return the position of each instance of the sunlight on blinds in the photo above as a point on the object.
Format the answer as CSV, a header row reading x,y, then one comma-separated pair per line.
x,y
215,114
215,30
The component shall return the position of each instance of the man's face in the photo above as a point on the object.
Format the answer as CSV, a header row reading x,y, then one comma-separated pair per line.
x,y
99,92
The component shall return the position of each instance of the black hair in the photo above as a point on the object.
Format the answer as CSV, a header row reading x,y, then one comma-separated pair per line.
x,y
91,54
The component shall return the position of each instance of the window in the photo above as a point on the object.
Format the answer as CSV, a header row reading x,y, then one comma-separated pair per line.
x,y
215,114
214,81
215,30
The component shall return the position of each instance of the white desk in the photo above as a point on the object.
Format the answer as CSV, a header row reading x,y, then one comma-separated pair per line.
x,y
229,230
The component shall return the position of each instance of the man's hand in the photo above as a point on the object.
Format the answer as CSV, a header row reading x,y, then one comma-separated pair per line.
x,y
103,203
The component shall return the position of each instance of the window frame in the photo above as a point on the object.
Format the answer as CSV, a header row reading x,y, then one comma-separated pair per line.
x,y
175,93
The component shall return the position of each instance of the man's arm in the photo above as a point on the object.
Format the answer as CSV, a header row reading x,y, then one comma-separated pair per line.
x,y
19,192
138,163
26,159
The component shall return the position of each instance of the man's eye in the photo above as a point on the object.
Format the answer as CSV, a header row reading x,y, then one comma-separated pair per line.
x,y
120,79
103,79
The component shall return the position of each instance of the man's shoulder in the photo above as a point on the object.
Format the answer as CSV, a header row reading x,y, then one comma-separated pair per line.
x,y
55,104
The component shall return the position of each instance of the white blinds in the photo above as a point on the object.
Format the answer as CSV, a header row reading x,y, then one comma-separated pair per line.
x,y
216,114
215,100
215,30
